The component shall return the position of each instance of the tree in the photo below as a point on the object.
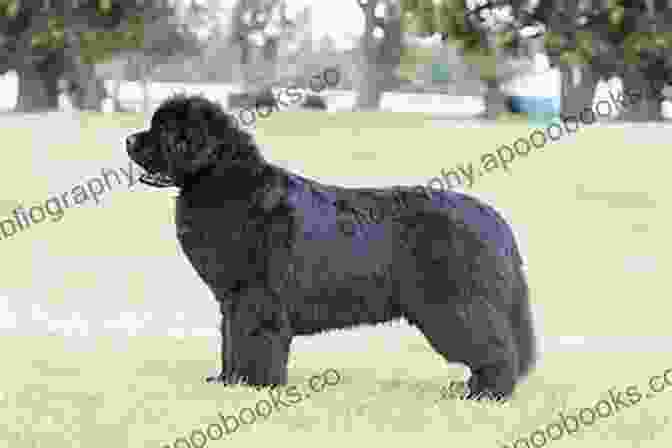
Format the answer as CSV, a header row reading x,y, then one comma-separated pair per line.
x,y
626,38
259,24
590,39
484,37
380,50
45,40
164,39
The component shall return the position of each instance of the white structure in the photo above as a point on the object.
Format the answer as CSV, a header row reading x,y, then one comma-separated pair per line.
x,y
9,90
542,82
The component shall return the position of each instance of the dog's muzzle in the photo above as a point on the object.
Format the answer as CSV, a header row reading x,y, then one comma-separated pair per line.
x,y
153,179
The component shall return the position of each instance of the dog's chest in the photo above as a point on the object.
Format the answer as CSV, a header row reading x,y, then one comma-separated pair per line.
x,y
205,223
215,243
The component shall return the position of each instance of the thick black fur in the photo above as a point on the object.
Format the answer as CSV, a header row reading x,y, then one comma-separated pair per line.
x,y
247,242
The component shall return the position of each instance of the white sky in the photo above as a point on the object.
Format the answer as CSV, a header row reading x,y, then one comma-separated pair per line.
x,y
337,18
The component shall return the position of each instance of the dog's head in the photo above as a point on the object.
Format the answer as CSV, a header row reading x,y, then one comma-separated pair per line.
x,y
188,135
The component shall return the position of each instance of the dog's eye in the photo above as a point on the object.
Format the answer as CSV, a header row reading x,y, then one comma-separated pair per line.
x,y
168,127
181,147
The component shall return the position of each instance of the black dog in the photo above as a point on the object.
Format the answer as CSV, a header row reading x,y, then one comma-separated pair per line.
x,y
270,246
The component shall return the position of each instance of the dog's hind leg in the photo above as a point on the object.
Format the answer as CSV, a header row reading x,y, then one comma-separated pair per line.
x,y
475,334
458,291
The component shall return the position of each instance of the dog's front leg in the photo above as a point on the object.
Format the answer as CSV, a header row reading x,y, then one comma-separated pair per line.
x,y
228,374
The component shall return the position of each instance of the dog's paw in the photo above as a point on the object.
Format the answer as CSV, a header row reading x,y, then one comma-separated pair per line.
x,y
215,379
222,379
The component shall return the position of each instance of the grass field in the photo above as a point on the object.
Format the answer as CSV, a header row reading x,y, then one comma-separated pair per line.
x,y
591,212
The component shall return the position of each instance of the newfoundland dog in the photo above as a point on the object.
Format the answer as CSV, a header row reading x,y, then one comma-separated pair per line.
x,y
270,245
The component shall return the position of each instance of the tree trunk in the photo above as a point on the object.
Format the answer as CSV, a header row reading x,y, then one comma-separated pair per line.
x,y
145,68
369,91
139,69
645,108
578,89
38,87
146,96
270,59
378,58
115,95
253,69
390,48
89,95
496,101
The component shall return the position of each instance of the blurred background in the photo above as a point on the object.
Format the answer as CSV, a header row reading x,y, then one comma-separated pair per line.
x,y
76,76
454,58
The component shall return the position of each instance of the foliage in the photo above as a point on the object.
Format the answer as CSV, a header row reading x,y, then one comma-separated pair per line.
x,y
453,20
612,36
31,30
448,17
257,16
260,23
412,57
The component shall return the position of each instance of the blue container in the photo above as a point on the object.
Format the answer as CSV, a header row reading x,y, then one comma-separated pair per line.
x,y
538,109
441,73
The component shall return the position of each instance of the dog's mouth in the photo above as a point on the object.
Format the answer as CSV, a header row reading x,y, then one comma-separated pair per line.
x,y
158,180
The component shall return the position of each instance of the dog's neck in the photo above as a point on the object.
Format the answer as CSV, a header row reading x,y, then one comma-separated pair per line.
x,y
225,183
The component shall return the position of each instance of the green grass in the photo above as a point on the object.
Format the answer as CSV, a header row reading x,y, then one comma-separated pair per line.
x,y
151,392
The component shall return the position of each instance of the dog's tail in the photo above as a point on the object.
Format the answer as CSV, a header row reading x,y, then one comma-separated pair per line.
x,y
521,311
522,323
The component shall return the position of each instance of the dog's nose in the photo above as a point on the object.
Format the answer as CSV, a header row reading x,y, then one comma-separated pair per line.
x,y
130,142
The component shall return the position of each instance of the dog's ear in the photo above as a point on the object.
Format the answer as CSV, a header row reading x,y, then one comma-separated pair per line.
x,y
203,136
199,142
237,149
